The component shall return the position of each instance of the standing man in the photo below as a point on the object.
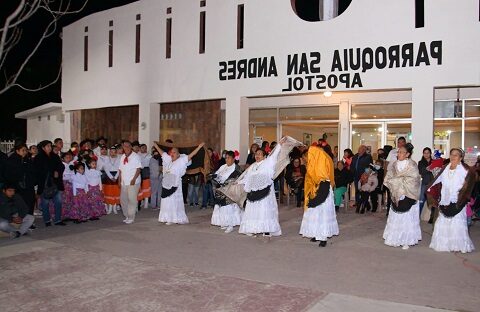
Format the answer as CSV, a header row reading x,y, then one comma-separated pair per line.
x,y
360,162
58,146
129,181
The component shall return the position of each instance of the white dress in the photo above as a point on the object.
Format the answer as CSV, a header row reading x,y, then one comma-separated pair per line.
x,y
261,216
173,209
451,234
229,215
403,229
320,222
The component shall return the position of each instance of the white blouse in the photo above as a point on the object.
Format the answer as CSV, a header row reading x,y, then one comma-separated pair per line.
x,y
67,173
452,181
224,172
111,164
79,182
174,170
94,177
260,174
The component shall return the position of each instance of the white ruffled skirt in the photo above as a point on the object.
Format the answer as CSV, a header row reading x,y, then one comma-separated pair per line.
x,y
172,209
403,229
261,216
320,222
229,215
451,234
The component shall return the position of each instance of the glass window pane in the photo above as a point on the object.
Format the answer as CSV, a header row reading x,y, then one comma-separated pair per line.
x,y
263,133
308,133
472,108
448,109
472,133
368,135
309,113
263,115
447,134
394,131
381,111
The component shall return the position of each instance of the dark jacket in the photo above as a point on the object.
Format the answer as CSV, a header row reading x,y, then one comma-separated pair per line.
x,y
19,171
289,174
12,206
343,177
427,176
44,166
3,164
250,159
359,164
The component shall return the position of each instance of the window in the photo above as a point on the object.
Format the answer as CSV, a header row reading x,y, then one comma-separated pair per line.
x,y
201,48
110,44
85,53
381,111
137,43
309,113
203,3
240,26
319,10
168,38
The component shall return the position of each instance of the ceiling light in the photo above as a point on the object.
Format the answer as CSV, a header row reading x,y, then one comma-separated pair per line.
x,y
327,93
354,115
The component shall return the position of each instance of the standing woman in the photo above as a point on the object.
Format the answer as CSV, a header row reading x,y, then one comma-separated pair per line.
x,y
403,181
427,176
251,155
261,211
111,188
174,167
319,219
457,181
19,171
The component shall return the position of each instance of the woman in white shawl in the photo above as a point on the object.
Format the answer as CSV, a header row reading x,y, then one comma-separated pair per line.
x,y
261,210
451,232
403,181
174,167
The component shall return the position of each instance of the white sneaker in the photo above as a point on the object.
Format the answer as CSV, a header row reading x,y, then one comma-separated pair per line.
x,y
249,234
129,221
223,227
126,219
114,209
169,223
229,229
405,247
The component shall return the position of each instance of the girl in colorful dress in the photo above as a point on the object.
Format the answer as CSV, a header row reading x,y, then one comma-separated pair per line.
x,y
67,196
95,194
403,180
457,180
110,185
80,203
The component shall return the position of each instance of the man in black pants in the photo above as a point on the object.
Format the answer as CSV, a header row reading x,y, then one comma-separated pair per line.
x,y
360,161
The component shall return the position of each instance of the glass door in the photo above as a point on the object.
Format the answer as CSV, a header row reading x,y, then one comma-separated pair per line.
x,y
369,134
396,129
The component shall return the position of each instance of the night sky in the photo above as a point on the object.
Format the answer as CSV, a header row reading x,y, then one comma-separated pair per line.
x,y
44,65
42,68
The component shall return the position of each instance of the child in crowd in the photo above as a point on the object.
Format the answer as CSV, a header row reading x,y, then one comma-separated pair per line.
x,y
67,196
343,177
95,194
80,202
368,183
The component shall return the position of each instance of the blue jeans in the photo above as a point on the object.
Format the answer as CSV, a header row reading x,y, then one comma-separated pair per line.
x,y
423,197
208,195
57,201
193,194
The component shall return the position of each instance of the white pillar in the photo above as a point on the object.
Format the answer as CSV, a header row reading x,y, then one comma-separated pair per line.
x,y
148,123
236,126
344,128
422,119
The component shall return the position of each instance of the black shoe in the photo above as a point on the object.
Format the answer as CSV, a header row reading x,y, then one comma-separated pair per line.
x,y
16,234
77,221
322,244
33,227
61,223
94,219
313,240
48,223
362,211
337,208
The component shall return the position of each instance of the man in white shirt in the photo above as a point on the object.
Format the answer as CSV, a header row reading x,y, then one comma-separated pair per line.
x,y
392,156
129,181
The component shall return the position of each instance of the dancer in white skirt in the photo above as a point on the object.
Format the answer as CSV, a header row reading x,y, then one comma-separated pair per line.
x,y
261,210
403,181
174,167
226,214
319,219
451,232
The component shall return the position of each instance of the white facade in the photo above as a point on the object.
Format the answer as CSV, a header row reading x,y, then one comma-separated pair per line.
x,y
445,54
46,122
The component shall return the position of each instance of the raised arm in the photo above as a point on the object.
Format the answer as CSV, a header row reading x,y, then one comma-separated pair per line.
x,y
195,151
160,151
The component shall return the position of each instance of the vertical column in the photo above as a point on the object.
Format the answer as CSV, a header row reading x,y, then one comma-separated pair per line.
x,y
343,127
236,126
148,123
422,119
66,133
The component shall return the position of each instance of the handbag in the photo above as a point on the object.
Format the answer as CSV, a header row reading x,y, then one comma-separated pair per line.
x,y
49,190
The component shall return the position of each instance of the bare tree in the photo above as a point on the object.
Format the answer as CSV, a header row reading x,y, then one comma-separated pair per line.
x,y
11,35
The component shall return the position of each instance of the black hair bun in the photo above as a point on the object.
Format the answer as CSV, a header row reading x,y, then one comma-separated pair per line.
x,y
409,147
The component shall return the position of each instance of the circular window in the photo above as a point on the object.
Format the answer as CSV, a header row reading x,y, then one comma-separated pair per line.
x,y
319,10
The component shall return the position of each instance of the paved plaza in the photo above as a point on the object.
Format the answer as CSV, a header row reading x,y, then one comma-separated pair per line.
x,y
108,266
